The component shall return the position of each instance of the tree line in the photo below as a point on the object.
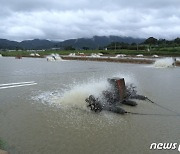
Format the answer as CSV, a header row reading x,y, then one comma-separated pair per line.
x,y
148,44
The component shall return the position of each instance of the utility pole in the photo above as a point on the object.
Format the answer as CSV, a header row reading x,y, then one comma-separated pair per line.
x,y
137,46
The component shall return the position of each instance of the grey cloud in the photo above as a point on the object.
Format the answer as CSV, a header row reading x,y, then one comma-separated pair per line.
x,y
19,5
65,19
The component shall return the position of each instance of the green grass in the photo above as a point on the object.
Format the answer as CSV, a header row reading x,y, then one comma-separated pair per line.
x,y
3,144
14,53
66,52
171,51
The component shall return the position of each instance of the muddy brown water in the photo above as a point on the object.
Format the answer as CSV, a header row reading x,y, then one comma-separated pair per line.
x,y
51,117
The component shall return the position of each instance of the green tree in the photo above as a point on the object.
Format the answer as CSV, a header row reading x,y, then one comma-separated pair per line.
x,y
151,41
177,40
85,48
69,48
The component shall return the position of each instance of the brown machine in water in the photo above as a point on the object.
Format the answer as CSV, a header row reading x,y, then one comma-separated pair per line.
x,y
112,99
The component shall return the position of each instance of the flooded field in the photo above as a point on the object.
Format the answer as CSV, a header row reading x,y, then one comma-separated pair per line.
x,y
50,116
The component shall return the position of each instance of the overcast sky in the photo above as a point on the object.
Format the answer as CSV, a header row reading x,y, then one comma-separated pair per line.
x,y
65,19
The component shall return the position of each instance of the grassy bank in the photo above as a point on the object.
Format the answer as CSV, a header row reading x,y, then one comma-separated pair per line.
x,y
161,52
118,60
2,144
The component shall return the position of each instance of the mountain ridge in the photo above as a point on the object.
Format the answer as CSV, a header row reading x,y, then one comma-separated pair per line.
x,y
79,43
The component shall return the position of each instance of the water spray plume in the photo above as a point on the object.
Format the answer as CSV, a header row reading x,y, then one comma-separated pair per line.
x,y
164,63
78,93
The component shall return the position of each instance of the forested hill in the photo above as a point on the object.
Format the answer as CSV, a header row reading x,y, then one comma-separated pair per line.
x,y
91,43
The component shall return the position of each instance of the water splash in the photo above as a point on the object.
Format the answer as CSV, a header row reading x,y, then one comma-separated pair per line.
x,y
164,63
74,95
47,98
77,94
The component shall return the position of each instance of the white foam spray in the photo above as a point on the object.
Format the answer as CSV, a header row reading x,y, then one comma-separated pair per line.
x,y
178,59
47,97
75,94
164,63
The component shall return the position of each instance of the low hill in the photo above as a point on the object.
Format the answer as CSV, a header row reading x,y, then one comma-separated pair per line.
x,y
91,43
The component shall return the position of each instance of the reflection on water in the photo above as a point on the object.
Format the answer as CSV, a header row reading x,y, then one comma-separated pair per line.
x,y
51,117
